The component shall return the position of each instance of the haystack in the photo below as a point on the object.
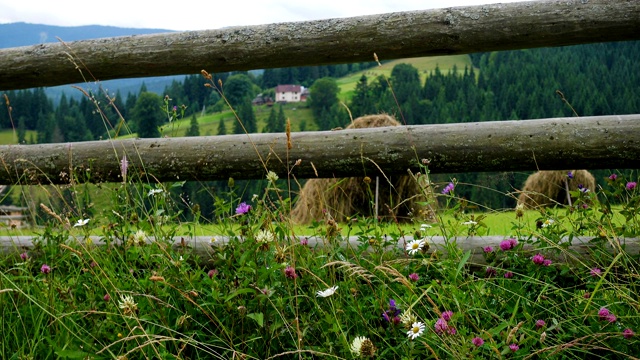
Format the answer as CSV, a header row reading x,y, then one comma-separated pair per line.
x,y
401,197
549,188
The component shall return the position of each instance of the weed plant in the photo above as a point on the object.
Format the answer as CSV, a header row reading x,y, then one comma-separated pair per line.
x,y
264,291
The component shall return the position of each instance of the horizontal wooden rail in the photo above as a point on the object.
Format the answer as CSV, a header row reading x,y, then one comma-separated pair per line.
x,y
598,142
202,245
446,31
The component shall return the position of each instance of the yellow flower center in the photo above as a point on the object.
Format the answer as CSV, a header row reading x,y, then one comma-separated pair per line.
x,y
416,246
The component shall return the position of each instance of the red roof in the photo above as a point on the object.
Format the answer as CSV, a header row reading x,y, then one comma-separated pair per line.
x,y
288,88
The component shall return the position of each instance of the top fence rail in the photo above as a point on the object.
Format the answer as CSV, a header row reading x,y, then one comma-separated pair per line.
x,y
456,30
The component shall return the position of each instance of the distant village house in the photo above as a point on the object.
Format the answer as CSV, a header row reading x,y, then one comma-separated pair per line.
x,y
12,216
291,93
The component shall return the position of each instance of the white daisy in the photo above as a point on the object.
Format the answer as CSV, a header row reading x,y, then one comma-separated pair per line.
x,y
417,328
81,222
414,246
547,222
328,292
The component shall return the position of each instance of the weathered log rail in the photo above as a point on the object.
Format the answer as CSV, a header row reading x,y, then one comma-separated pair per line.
x,y
605,142
203,246
448,31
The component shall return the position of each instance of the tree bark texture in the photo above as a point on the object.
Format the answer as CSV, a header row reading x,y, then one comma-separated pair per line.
x,y
598,142
457,30
580,247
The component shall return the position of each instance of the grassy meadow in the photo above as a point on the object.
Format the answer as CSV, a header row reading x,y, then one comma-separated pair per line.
x,y
560,282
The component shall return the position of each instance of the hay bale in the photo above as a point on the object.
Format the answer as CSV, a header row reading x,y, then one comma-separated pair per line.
x,y
347,197
548,188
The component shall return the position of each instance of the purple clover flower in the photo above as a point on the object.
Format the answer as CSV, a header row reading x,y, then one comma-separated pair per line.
x,y
477,341
490,272
441,326
508,244
514,347
613,177
304,241
290,272
448,189
24,256
631,185
611,318
508,275
540,324
603,313
538,259
628,333
446,316
487,249
243,208
595,272
414,277
212,273
547,262
45,269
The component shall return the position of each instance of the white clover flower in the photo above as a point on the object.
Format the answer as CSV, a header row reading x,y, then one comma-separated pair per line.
x,y
272,177
470,222
128,306
265,236
425,226
414,246
407,318
155,191
328,292
547,223
356,345
139,237
417,328
81,222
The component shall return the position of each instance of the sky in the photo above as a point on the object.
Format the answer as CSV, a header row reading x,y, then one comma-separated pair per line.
x,y
185,15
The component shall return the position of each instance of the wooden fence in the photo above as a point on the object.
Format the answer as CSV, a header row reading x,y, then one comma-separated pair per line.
x,y
593,142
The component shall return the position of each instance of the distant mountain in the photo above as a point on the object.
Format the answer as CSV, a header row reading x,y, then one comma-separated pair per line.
x,y
24,34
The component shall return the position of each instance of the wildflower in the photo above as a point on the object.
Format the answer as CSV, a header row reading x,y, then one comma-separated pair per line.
x,y
45,269
441,326
272,177
417,328
212,273
628,333
519,210
570,174
448,189
595,272
361,346
508,244
414,246
446,316
414,277
586,295
139,237
328,292
264,237
391,315
583,189
477,341
452,330
547,223
243,208
631,185
81,222
128,306
487,249
407,318
547,262
304,241
106,297
490,272
24,256
470,222
155,191
538,259
508,275
425,227
93,264
124,165
611,318
540,324
603,313
514,347
290,272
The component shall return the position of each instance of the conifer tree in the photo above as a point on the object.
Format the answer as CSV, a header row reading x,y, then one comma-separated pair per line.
x,y
194,129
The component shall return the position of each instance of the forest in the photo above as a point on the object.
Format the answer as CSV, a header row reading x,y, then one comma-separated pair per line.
x,y
585,80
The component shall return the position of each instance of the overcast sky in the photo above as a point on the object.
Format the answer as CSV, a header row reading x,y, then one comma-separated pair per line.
x,y
201,15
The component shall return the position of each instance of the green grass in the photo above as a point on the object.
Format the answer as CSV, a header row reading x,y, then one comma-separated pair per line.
x,y
424,65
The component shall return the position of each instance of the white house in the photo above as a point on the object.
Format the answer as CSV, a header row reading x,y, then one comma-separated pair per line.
x,y
291,93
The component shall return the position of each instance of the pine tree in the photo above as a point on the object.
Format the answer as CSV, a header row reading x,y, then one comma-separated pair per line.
x,y
247,117
147,115
194,129
222,130
281,121
270,127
